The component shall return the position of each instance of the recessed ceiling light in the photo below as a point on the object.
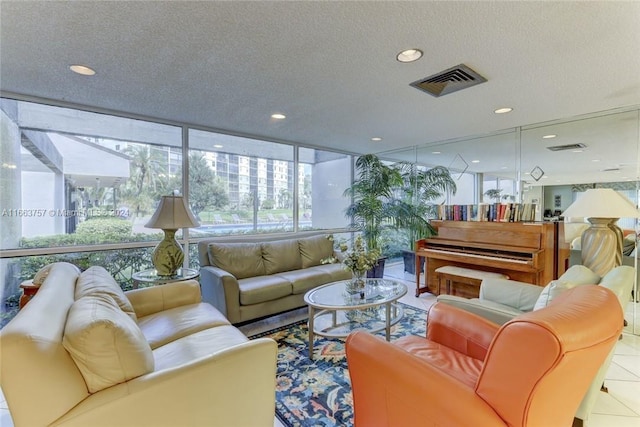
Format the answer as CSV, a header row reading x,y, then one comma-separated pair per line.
x,y
475,161
81,69
218,146
549,136
503,167
576,151
278,116
435,152
409,55
595,160
376,139
503,110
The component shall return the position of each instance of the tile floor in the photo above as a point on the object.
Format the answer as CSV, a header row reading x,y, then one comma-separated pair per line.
x,y
618,408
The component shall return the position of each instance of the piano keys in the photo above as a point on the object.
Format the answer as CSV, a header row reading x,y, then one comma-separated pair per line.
x,y
527,252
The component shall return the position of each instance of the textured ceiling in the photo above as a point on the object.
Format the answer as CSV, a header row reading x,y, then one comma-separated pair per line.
x,y
329,66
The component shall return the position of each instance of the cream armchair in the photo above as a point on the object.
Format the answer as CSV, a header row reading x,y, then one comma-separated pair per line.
x,y
83,353
501,300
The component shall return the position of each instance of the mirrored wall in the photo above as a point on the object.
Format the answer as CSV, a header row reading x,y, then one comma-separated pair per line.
x,y
549,165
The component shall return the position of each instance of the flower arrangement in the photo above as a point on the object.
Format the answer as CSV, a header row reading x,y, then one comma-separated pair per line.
x,y
356,259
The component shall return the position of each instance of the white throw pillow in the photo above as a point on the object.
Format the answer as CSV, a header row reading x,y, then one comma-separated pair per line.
x,y
552,290
107,345
580,275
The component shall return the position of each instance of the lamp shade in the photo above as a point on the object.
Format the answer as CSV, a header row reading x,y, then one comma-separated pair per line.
x,y
602,203
172,213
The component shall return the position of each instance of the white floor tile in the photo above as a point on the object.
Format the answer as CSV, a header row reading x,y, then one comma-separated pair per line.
x,y
626,392
617,372
630,363
607,404
5,418
600,420
627,346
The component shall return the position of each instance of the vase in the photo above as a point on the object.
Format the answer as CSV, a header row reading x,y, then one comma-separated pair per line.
x,y
357,281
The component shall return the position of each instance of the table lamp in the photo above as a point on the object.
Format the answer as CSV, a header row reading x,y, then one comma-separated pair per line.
x,y
172,214
601,243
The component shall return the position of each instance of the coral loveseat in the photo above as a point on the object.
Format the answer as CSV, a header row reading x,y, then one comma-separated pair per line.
x,y
251,277
83,353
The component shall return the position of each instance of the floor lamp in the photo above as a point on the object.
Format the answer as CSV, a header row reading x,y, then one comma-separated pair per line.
x,y
601,243
172,214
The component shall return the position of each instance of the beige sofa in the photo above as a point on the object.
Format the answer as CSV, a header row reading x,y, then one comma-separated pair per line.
x,y
84,353
251,277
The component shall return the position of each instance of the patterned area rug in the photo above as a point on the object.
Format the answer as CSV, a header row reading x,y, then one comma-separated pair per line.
x,y
318,392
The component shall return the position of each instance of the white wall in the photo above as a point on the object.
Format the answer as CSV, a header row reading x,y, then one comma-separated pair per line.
x,y
39,196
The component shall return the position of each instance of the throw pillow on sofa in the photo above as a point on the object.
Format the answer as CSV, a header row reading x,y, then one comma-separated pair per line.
x,y
97,281
574,276
552,290
106,344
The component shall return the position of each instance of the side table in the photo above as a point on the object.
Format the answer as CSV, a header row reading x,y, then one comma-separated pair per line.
x,y
28,291
152,277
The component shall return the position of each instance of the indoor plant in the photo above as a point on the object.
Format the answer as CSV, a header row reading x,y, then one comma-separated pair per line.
x,y
358,259
413,206
371,201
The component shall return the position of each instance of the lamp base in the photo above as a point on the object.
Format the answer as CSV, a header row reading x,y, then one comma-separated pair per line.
x,y
601,250
168,255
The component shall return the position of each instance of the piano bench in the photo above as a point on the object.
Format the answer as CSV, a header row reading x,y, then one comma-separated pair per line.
x,y
449,274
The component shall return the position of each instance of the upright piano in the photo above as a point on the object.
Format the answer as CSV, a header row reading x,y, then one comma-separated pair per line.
x,y
525,251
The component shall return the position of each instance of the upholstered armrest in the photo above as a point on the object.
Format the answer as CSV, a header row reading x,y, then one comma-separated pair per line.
x,y
151,300
220,289
519,295
493,312
213,389
460,330
406,390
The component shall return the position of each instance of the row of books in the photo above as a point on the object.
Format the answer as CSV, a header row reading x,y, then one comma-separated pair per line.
x,y
499,212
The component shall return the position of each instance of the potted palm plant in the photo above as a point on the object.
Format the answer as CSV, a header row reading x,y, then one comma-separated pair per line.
x,y
371,199
413,206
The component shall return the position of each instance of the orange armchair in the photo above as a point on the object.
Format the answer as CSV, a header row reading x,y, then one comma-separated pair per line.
x,y
532,371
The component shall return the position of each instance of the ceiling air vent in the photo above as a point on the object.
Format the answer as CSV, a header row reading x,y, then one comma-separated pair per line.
x,y
566,147
448,81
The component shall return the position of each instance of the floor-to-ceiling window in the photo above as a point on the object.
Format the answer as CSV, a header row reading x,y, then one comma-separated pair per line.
x,y
80,186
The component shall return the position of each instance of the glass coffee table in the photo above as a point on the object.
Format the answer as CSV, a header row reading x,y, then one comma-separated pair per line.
x,y
336,310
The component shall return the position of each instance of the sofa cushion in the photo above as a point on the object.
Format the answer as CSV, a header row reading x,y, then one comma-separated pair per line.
x,y
448,361
197,345
240,259
314,249
97,281
107,345
172,324
254,290
552,290
336,271
281,255
305,279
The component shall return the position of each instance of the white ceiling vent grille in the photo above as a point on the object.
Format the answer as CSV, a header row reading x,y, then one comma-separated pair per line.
x,y
566,147
450,80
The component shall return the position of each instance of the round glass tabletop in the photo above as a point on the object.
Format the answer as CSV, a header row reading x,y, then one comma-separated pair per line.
x,y
151,276
340,294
